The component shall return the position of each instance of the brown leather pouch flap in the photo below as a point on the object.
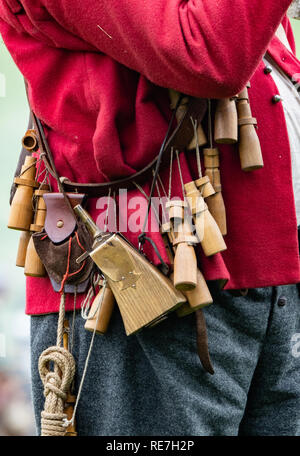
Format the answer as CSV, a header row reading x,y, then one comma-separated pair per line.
x,y
60,222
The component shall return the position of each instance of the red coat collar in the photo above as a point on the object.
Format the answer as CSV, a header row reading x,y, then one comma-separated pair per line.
x,y
285,59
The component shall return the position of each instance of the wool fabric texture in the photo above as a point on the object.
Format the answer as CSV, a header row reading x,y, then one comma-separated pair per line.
x,y
97,75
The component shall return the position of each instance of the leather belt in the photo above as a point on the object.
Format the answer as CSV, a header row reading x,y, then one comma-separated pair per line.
x,y
181,136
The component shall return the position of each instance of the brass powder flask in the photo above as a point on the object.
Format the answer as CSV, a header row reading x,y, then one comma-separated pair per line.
x,y
144,295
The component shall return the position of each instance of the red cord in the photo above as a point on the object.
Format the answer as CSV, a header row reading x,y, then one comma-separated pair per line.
x,y
67,275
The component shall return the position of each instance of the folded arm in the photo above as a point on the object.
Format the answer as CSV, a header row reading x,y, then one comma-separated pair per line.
x,y
204,48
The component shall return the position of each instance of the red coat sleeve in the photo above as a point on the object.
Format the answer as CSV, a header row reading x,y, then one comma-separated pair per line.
x,y
204,48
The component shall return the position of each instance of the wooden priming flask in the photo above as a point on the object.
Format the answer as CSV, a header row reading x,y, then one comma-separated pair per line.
x,y
185,261
208,231
215,202
21,211
101,310
226,122
249,145
33,264
200,296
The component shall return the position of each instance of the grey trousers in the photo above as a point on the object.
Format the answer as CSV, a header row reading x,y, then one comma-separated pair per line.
x,y
152,383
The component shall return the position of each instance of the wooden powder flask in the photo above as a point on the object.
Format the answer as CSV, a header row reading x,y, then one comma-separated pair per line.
x,y
197,298
143,294
33,264
185,261
209,234
71,398
226,122
21,211
104,312
22,249
30,141
249,145
215,202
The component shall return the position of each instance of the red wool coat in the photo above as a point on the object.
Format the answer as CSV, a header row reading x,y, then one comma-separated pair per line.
x,y
97,73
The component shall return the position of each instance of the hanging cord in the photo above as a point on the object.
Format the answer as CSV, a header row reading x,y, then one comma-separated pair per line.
x,y
24,153
210,134
115,211
180,174
86,304
164,215
195,127
67,274
210,123
163,266
46,150
56,383
147,198
166,218
162,186
67,422
142,236
107,211
47,156
170,174
73,320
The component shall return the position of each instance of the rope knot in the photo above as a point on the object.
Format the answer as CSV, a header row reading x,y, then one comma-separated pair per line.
x,y
56,386
53,384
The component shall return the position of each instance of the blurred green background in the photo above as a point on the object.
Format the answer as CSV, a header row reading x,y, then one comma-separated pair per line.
x,y
17,418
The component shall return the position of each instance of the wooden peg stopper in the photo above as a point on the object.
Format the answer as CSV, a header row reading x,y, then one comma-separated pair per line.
x,y
249,145
104,312
197,299
204,186
201,136
226,122
33,264
209,234
21,211
23,244
176,212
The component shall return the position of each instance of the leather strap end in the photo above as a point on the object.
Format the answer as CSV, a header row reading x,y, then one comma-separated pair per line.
x,y
202,342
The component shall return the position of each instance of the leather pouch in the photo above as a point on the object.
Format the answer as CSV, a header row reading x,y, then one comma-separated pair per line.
x,y
61,242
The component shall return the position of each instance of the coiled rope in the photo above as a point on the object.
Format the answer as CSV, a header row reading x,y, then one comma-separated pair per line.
x,y
57,382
